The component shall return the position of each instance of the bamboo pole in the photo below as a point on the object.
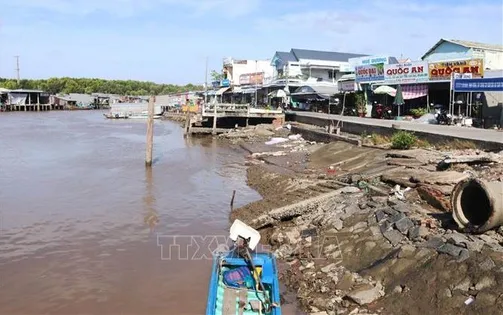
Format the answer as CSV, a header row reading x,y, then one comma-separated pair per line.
x,y
150,132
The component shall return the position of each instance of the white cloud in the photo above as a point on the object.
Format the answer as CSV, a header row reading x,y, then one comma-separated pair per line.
x,y
389,26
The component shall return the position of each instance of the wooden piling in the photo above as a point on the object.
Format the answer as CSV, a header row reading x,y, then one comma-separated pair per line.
x,y
150,132
214,119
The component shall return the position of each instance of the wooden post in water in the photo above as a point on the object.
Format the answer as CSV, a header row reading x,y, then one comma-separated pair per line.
x,y
215,118
150,132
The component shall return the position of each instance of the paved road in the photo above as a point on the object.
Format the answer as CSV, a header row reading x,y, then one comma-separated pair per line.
x,y
454,131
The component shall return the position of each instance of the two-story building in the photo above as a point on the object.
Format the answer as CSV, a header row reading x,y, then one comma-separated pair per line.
x,y
304,64
247,71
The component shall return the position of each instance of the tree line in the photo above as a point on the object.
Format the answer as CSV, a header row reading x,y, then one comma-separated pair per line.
x,y
91,85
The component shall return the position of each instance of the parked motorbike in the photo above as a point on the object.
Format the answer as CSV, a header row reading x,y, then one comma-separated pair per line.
x,y
442,116
350,111
387,113
383,112
379,110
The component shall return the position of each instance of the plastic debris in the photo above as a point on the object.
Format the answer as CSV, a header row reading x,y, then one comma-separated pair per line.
x,y
276,141
469,300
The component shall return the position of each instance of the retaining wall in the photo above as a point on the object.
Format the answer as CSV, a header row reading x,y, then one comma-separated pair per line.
x,y
359,129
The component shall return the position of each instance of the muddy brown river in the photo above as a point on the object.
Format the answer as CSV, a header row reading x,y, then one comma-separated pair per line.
x,y
85,229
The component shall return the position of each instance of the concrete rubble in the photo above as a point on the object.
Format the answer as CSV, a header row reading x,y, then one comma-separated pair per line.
x,y
361,250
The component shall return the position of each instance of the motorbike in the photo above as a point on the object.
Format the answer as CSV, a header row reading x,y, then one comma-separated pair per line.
x,y
383,112
442,116
387,113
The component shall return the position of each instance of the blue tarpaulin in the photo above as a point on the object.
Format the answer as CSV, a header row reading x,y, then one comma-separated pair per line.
x,y
478,85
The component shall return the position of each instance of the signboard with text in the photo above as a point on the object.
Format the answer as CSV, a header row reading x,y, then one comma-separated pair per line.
x,y
370,73
443,70
368,60
347,86
479,85
251,78
413,72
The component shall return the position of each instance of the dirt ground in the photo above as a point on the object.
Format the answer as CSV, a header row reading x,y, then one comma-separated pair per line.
x,y
416,277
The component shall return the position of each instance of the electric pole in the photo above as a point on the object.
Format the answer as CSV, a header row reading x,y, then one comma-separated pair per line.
x,y
17,68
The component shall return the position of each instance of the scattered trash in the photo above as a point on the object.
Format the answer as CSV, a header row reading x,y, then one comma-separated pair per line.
x,y
399,193
469,300
289,127
295,137
276,141
331,170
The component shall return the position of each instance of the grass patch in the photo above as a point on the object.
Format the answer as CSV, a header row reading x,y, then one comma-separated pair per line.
x,y
378,139
421,143
457,144
403,140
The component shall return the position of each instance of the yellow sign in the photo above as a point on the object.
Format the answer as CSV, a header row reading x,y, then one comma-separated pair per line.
x,y
444,70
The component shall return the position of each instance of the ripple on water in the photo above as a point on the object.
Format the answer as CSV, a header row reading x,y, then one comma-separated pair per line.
x,y
81,219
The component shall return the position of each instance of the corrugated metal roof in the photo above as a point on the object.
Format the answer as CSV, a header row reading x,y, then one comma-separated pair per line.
x,y
464,43
77,97
286,56
323,55
316,89
476,45
26,91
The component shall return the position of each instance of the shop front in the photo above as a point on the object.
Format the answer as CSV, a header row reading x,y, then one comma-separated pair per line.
x,y
441,74
413,78
314,98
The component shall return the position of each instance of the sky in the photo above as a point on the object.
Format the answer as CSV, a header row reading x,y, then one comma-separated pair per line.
x,y
168,41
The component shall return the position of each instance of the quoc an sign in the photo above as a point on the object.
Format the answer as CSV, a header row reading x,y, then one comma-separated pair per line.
x,y
413,72
444,70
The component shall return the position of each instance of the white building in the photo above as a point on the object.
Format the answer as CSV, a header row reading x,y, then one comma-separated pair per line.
x,y
242,72
312,65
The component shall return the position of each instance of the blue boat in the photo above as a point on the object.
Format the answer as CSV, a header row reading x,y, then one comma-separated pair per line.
x,y
257,293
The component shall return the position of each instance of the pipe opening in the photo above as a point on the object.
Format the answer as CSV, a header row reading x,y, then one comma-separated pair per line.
x,y
475,204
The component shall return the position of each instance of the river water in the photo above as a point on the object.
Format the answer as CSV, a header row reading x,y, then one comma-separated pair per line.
x,y
85,229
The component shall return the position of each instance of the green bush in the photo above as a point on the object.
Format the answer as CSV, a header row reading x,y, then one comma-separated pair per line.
x,y
403,140
418,112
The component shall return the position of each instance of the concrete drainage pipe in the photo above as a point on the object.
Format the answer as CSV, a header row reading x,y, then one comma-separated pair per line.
x,y
477,204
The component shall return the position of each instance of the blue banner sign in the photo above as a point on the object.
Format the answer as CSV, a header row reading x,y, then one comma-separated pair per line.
x,y
225,83
479,85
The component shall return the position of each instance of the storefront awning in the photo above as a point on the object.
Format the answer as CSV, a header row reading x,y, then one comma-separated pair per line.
x,y
222,90
321,91
278,93
409,92
248,90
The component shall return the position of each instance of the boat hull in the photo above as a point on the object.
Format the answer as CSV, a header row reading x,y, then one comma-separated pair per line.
x,y
222,298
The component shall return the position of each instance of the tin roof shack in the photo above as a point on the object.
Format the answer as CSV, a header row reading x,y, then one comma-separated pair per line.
x,y
28,100
75,101
4,96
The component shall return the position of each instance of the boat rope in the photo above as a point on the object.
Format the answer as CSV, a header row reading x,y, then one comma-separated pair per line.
x,y
243,248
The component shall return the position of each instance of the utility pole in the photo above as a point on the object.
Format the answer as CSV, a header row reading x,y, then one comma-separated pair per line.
x,y
256,81
17,69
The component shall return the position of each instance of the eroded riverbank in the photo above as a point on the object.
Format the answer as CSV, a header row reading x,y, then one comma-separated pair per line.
x,y
354,244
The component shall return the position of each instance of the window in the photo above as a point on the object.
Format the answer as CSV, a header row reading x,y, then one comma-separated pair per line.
x,y
331,74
